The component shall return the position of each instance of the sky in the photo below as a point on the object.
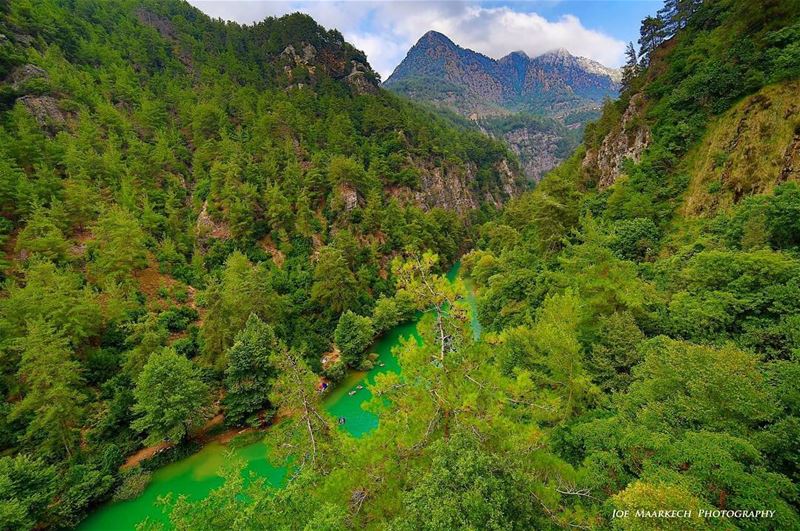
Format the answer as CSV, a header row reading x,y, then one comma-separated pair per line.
x,y
385,30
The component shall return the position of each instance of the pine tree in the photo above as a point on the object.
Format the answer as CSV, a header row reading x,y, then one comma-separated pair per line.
x,y
675,14
334,283
52,396
120,245
353,335
309,437
651,35
631,68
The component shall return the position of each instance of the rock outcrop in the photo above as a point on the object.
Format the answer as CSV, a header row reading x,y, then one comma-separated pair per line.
x,y
627,140
538,151
348,196
44,109
357,74
24,74
456,189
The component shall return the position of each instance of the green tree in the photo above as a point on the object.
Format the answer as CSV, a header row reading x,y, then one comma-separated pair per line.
x,y
309,437
249,376
466,488
55,295
335,286
631,68
171,398
120,244
27,489
386,314
52,402
41,236
651,35
615,351
680,385
353,335
243,289
416,278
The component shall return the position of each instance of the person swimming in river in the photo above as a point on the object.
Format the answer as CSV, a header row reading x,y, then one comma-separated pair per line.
x,y
359,387
351,392
342,420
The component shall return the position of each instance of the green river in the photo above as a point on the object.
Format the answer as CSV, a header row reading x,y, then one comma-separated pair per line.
x,y
197,475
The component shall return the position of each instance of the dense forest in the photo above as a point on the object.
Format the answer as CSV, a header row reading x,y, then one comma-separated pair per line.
x,y
178,194
194,212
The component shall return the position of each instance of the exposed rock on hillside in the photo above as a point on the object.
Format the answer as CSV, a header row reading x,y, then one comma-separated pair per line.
x,y
44,109
748,150
627,140
21,75
538,151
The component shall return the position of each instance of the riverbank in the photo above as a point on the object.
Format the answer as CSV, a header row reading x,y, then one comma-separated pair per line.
x,y
196,475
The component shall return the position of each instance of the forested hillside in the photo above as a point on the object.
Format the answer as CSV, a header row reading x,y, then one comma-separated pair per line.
x,y
195,213
170,186
640,311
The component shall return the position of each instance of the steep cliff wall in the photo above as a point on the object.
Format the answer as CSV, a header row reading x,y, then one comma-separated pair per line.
x,y
627,140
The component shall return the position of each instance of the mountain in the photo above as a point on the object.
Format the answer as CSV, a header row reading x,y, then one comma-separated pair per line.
x,y
564,89
193,215
167,181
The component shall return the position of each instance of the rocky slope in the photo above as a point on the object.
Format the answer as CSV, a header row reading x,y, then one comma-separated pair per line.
x,y
556,85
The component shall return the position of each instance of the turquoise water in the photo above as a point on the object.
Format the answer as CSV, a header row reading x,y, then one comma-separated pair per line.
x,y
197,475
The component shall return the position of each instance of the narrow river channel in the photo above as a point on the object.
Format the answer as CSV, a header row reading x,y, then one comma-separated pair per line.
x,y
197,475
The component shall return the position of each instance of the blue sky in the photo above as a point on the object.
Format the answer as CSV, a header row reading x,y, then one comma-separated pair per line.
x,y
385,30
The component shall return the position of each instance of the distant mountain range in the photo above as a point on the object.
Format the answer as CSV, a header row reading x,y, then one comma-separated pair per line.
x,y
537,104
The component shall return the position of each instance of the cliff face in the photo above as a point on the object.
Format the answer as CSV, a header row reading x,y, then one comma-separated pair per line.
x,y
556,85
456,189
627,140
538,151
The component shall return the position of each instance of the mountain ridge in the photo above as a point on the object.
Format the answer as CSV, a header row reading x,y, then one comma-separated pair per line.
x,y
509,83
548,98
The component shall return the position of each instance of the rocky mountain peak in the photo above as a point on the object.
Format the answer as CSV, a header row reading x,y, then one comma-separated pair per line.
x,y
434,37
555,85
515,55
557,53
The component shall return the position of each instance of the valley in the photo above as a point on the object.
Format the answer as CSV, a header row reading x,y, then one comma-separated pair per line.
x,y
520,293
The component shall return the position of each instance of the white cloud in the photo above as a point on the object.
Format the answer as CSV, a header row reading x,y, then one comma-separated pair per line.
x,y
385,30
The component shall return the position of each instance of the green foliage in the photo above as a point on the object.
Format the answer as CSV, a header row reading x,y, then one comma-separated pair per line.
x,y
465,488
249,376
171,399
53,401
386,314
243,289
119,247
634,239
42,237
353,335
678,386
133,484
616,351
55,295
27,488
334,285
